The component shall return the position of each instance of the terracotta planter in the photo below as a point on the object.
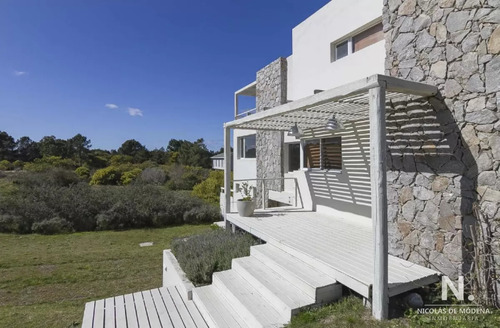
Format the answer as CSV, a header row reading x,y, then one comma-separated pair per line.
x,y
245,207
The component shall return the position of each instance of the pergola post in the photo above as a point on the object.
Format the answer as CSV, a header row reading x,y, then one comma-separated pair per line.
x,y
227,172
380,291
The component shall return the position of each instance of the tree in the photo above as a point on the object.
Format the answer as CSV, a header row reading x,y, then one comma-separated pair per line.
x,y
50,146
7,145
135,149
79,147
27,150
195,154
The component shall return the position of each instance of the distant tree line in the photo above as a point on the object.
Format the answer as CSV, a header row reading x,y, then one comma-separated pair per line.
x,y
78,149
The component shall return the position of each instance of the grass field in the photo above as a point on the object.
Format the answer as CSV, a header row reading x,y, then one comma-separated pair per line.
x,y
46,280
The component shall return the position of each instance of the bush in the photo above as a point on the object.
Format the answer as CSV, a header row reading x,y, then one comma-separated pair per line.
x,y
83,172
18,165
107,176
202,255
202,214
153,175
5,165
185,177
53,176
52,226
49,162
11,223
209,189
130,176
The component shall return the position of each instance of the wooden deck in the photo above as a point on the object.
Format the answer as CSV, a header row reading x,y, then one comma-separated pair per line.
x,y
339,247
155,308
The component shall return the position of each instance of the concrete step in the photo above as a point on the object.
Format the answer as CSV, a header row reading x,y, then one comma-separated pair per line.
x,y
215,309
323,288
281,293
245,300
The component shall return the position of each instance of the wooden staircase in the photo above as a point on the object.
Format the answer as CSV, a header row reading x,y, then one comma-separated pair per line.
x,y
263,290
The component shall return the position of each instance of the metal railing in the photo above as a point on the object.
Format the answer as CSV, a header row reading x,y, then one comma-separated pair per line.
x,y
246,113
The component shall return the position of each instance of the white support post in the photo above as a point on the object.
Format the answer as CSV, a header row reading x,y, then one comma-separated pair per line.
x,y
227,172
380,290
236,105
263,194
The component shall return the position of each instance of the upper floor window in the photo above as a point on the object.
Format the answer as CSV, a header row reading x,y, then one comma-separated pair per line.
x,y
324,154
346,46
247,146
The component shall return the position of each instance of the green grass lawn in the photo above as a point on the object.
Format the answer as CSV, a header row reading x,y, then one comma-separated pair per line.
x,y
46,280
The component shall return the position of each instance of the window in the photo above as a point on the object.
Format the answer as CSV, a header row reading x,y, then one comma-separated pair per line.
x,y
356,42
247,148
324,154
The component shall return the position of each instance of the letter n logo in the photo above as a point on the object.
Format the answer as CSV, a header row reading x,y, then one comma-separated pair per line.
x,y
446,282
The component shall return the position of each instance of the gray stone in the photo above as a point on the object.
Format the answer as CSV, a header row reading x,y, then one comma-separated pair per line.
x,y
439,69
452,53
406,178
425,40
422,181
446,3
484,116
412,238
422,21
408,210
457,37
489,209
443,264
456,20
454,249
469,135
486,178
405,195
404,228
406,25
410,63
440,184
393,4
407,8
447,223
427,240
471,4
402,41
492,75
392,212
417,74
494,143
452,88
422,193
484,162
475,84
494,42
470,42
436,54
493,17
475,104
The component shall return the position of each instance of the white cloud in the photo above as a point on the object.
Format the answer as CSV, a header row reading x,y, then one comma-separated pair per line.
x,y
20,73
111,106
134,111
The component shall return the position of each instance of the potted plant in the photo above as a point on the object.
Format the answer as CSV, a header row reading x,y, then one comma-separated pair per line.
x,y
245,205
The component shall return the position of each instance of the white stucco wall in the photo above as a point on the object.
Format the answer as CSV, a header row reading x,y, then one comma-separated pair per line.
x,y
310,65
244,168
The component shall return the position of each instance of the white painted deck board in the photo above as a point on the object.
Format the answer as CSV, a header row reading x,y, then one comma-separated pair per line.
x,y
148,309
344,245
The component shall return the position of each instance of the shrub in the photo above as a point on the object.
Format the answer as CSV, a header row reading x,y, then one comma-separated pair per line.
x,y
5,165
185,177
107,176
153,175
53,176
202,255
209,189
202,214
130,176
83,172
18,165
52,226
120,159
49,162
11,223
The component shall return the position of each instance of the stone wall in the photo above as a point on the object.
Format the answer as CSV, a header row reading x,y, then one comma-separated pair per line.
x,y
450,158
271,92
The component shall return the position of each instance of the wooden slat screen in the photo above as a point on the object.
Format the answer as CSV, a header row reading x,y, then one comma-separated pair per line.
x,y
331,153
324,154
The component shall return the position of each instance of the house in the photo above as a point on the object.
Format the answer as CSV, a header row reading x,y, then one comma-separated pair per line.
x,y
218,161
373,152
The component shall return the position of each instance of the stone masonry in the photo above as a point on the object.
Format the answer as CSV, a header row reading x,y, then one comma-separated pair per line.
x,y
271,92
444,152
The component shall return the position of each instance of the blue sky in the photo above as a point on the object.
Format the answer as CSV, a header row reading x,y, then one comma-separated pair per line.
x,y
171,67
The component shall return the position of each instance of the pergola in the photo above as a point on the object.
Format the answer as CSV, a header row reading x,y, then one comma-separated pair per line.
x,y
363,99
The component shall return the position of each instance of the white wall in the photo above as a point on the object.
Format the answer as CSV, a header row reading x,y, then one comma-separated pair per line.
x,y
310,68
244,168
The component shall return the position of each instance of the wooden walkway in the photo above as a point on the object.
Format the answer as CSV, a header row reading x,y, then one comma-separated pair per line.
x,y
155,308
339,247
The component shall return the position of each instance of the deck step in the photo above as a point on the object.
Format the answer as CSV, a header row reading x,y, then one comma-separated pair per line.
x,y
316,284
215,309
278,291
255,310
